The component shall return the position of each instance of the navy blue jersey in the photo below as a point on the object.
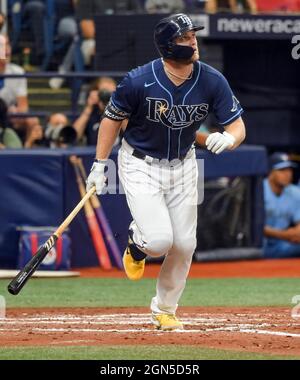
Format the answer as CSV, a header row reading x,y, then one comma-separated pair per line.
x,y
163,117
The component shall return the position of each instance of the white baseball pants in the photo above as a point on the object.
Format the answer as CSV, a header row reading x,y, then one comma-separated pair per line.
x,y
162,199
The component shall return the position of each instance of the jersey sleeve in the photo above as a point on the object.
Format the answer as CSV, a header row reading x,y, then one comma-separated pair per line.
x,y
226,106
122,101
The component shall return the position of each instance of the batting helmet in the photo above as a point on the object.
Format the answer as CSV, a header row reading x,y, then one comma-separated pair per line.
x,y
170,28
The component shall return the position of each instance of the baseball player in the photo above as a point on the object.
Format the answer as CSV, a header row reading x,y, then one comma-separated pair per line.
x,y
165,102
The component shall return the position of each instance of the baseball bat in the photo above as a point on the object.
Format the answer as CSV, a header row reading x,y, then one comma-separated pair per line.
x,y
95,231
23,276
103,221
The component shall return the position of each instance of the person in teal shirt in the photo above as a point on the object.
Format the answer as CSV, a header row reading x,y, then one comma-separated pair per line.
x,y
8,137
282,209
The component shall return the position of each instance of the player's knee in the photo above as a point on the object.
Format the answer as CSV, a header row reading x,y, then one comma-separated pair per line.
x,y
159,244
185,247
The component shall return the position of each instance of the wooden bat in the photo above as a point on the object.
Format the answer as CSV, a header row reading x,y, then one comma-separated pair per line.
x,y
103,221
95,231
23,276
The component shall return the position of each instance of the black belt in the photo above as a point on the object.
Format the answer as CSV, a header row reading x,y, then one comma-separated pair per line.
x,y
136,153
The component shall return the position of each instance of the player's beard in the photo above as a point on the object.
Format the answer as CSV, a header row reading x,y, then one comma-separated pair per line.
x,y
195,57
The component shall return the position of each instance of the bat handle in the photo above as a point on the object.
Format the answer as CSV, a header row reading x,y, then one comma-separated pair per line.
x,y
72,215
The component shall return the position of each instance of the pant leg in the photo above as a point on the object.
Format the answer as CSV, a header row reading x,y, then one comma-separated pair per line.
x,y
67,32
88,47
67,28
182,207
34,11
152,225
281,250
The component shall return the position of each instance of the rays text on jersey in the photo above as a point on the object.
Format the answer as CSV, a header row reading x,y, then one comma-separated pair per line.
x,y
177,116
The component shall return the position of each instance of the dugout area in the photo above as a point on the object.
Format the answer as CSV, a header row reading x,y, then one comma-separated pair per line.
x,y
46,195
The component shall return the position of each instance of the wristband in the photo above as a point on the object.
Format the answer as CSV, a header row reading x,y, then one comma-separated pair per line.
x,y
100,161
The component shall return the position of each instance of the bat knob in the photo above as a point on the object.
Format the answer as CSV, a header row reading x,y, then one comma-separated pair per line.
x,y
12,289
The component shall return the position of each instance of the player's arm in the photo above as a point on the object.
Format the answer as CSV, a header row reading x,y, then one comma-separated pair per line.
x,y
118,109
231,138
238,131
108,132
201,138
227,110
291,234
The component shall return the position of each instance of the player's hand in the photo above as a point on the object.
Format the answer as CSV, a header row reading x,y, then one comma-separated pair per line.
x,y
217,142
96,177
293,235
93,98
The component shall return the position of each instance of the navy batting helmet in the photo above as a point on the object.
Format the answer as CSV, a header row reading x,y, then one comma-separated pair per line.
x,y
170,28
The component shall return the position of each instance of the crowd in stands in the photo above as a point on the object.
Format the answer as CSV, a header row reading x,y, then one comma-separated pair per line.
x,y
72,32
60,25
73,29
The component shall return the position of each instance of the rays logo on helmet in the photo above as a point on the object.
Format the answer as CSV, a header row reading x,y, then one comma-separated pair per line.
x,y
185,20
177,116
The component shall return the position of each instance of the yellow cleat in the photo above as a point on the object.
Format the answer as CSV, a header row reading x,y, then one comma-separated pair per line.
x,y
134,269
166,322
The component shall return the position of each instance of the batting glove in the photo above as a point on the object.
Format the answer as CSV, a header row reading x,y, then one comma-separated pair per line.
x,y
217,142
96,177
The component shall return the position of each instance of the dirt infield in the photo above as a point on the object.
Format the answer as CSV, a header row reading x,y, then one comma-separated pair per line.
x,y
263,330
248,268
269,330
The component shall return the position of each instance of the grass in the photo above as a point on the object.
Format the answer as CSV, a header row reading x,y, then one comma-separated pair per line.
x,y
97,292
162,352
101,292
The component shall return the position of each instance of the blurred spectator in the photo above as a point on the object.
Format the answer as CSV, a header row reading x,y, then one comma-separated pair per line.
x,y
59,132
14,90
109,7
2,21
8,137
87,9
282,209
35,14
34,133
67,33
213,6
247,6
87,123
164,6
194,6
278,5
